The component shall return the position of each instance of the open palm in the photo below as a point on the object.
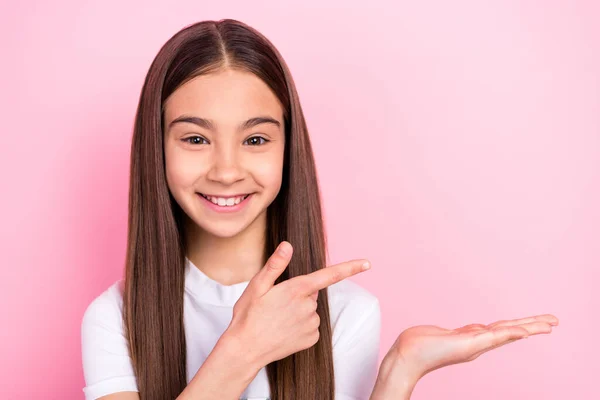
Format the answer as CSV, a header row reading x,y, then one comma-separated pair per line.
x,y
426,348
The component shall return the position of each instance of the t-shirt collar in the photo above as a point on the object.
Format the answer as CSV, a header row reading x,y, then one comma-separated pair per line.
x,y
207,290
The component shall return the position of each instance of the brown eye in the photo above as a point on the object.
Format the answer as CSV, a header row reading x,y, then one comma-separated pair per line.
x,y
195,140
256,140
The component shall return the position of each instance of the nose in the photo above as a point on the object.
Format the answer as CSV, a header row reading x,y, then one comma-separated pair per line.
x,y
225,167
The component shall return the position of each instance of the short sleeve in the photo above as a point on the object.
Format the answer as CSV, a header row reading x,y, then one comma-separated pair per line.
x,y
356,352
107,367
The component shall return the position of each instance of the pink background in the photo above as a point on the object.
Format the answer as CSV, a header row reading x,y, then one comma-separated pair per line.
x,y
460,140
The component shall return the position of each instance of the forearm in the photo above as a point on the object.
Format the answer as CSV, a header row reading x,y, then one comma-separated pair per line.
x,y
394,382
224,375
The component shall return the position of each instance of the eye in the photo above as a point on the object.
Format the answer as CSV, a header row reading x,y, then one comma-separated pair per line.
x,y
256,140
194,140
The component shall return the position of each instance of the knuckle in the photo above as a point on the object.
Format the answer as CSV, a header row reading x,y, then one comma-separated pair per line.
x,y
316,321
239,306
315,338
311,305
272,264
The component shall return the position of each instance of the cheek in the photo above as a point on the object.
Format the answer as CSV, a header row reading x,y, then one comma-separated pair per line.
x,y
268,172
181,171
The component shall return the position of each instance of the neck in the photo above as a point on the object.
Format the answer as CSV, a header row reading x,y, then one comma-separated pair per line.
x,y
228,260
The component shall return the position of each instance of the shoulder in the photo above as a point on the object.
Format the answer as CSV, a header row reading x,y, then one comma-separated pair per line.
x,y
107,366
349,297
106,308
356,323
352,307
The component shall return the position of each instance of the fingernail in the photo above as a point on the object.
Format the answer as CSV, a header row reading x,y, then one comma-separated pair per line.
x,y
366,266
284,249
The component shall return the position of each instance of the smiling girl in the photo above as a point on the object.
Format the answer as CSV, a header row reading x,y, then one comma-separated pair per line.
x,y
226,294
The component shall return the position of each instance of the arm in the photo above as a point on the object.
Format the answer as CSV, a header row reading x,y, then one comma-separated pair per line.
x,y
224,375
108,370
393,382
121,396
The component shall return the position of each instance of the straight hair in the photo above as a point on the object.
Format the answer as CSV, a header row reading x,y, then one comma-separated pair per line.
x,y
156,246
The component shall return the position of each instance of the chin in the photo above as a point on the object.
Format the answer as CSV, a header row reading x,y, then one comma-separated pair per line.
x,y
222,231
223,228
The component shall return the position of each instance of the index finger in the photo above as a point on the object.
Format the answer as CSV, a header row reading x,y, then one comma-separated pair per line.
x,y
328,276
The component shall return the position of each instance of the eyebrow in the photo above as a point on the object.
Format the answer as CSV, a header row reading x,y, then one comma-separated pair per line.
x,y
210,125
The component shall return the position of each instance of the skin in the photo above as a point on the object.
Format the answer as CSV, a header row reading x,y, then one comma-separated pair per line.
x,y
225,160
228,160
422,349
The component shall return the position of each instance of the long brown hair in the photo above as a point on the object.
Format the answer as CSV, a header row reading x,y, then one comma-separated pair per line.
x,y
155,263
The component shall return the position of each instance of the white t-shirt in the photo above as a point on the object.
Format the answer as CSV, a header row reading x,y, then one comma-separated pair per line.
x,y
208,307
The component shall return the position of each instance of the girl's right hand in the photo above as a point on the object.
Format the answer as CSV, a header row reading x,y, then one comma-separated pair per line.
x,y
270,321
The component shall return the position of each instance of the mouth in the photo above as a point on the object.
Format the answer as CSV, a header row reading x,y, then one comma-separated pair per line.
x,y
225,201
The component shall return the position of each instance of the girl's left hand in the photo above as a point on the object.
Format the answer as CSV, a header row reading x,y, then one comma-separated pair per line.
x,y
425,348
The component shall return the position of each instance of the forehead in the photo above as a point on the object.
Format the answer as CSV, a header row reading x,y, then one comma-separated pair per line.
x,y
227,97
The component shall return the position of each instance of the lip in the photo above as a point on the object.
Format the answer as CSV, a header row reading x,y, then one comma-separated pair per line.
x,y
225,195
225,209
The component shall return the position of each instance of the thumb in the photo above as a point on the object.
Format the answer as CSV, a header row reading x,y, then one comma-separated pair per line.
x,y
264,280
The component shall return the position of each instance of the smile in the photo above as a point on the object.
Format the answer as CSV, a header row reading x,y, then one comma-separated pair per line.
x,y
225,201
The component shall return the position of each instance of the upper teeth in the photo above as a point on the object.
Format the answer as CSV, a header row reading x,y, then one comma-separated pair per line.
x,y
225,201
